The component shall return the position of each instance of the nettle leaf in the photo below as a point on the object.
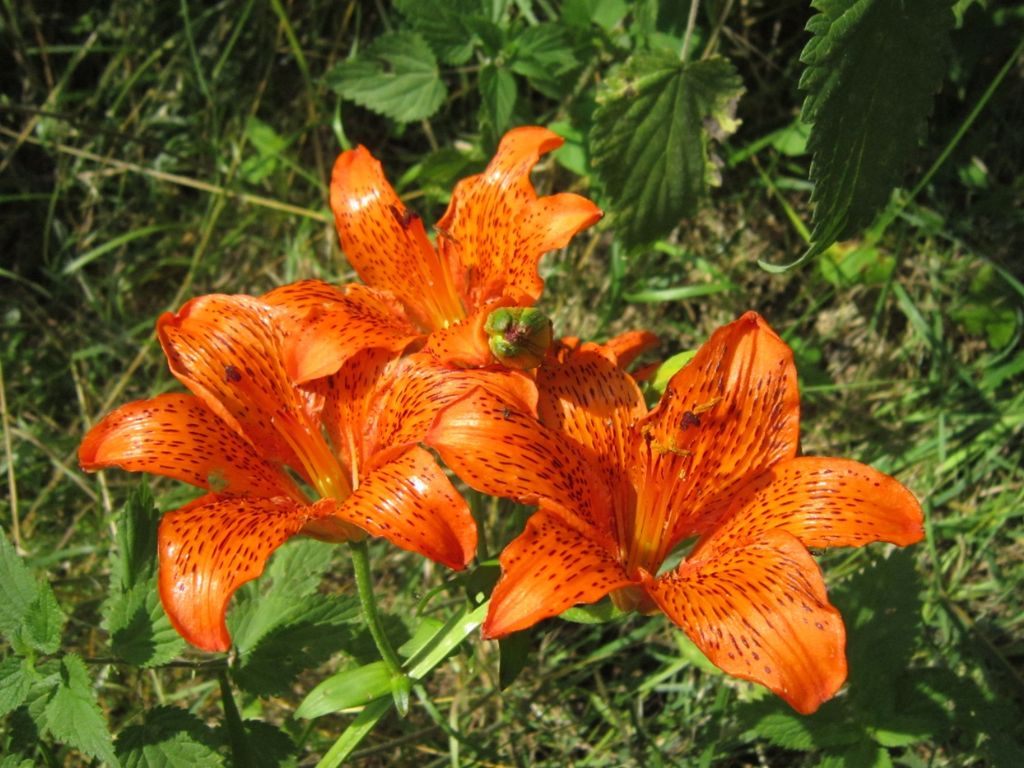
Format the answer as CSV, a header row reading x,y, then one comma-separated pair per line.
x,y
654,121
134,559
269,747
140,632
15,683
544,55
306,636
44,621
29,614
71,714
18,589
873,67
498,92
396,76
773,721
168,738
443,24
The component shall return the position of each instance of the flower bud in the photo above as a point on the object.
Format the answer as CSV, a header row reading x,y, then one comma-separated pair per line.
x,y
519,337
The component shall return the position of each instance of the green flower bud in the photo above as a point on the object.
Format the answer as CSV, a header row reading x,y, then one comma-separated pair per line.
x,y
519,337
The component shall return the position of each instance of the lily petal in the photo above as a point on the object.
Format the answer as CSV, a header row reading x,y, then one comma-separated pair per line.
x,y
547,569
386,243
760,612
496,229
733,411
497,449
824,503
227,350
409,501
418,387
328,337
300,298
211,548
628,346
176,435
464,344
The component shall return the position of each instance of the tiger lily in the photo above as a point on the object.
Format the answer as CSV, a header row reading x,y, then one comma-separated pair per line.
x,y
335,461
619,490
488,245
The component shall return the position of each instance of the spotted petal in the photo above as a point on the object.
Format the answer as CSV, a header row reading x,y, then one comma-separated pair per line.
x,y
408,500
386,243
760,612
546,570
497,449
177,436
227,350
211,548
732,412
496,228
363,318
824,503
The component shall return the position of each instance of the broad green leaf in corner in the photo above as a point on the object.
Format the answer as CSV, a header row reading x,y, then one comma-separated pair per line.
x,y
395,76
650,141
873,67
72,715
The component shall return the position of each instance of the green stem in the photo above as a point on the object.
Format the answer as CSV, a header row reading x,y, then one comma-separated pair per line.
x,y
364,588
233,722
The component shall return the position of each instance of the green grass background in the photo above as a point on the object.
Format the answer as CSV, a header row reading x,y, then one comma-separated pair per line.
x,y
150,152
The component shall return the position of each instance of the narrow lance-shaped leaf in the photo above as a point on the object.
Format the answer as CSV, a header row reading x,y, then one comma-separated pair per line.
x,y
873,67
396,76
655,119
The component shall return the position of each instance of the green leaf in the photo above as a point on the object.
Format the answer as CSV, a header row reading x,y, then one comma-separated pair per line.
x,y
864,754
44,621
395,76
268,145
136,531
654,121
29,613
305,636
15,683
352,687
670,368
18,589
600,612
498,92
544,55
781,726
269,747
443,24
873,67
140,632
168,738
72,716
513,653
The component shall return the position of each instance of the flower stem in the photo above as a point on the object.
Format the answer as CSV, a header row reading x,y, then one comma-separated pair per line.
x,y
361,566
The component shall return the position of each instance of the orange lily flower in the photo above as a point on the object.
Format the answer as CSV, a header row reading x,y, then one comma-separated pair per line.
x,y
619,489
335,461
488,245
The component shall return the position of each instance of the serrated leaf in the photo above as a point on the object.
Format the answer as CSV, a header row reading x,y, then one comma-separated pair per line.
x,y
443,25
544,55
18,589
140,632
306,639
789,730
498,96
134,559
15,683
43,623
168,738
873,67
352,687
395,76
864,754
268,747
649,142
72,715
